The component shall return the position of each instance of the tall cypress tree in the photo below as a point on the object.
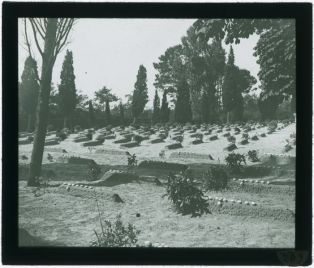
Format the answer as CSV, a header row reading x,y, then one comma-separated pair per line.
x,y
29,89
67,90
229,84
183,111
156,108
91,114
140,96
164,111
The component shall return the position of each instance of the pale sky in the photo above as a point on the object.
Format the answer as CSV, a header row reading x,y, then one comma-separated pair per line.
x,y
108,52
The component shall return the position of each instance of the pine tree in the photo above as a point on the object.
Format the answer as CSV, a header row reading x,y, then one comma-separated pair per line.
x,y
103,97
140,96
91,114
183,111
67,89
156,108
29,89
164,111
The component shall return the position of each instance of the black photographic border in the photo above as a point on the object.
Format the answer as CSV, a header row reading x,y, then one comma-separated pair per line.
x,y
12,254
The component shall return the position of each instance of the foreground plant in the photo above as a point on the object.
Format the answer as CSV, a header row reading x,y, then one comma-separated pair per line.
x,y
116,234
235,161
187,198
94,171
253,156
132,161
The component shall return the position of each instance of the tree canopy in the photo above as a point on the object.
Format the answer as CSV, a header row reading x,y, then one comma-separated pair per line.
x,y
140,95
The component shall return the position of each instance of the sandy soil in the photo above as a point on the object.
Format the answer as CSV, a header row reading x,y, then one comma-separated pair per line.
x,y
70,218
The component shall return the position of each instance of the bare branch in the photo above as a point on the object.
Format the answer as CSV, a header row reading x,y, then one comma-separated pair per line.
x,y
36,40
26,39
61,26
63,36
34,22
40,23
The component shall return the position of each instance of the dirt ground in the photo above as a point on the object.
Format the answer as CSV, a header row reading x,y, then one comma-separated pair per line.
x,y
69,218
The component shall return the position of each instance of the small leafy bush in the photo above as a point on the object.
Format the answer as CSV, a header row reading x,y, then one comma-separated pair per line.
x,y
253,156
94,171
187,198
216,178
272,126
235,161
287,147
116,234
132,162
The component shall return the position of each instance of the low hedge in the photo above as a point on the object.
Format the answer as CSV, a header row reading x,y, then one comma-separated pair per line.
x,y
162,165
174,146
93,143
80,161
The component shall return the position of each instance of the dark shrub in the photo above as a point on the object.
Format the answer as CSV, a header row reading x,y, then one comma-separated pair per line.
x,y
94,171
287,147
272,126
216,178
235,161
214,137
253,156
187,198
132,162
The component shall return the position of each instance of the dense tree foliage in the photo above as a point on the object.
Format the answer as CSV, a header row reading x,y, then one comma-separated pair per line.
x,y
67,89
164,110
236,82
183,111
28,91
121,111
91,114
156,108
103,97
140,95
275,50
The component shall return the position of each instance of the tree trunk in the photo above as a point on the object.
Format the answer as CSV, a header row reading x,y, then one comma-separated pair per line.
x,y
228,117
65,122
43,103
29,123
